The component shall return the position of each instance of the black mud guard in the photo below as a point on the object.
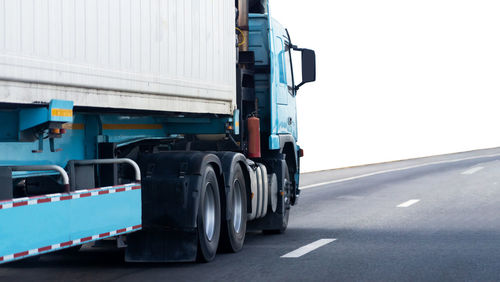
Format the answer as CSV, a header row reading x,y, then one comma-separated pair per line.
x,y
229,161
284,140
170,200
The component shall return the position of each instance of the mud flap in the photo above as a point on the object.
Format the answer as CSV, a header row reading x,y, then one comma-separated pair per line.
x,y
170,198
160,244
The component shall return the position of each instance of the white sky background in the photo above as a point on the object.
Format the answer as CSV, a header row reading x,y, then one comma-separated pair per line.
x,y
396,79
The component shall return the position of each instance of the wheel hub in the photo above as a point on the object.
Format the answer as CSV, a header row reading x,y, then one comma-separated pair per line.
x,y
237,206
209,211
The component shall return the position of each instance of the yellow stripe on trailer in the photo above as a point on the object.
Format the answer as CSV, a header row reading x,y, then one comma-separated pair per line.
x,y
61,113
73,126
131,126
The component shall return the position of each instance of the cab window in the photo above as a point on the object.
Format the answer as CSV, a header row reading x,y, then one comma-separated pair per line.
x,y
288,61
281,61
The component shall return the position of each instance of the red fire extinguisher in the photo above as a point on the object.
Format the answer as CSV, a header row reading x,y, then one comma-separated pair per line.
x,y
253,124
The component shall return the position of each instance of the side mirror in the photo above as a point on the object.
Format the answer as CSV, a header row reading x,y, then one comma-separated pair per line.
x,y
308,67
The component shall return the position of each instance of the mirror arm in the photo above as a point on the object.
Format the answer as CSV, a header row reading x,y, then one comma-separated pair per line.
x,y
295,48
298,86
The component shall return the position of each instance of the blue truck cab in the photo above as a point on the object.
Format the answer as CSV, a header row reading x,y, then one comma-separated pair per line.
x,y
275,87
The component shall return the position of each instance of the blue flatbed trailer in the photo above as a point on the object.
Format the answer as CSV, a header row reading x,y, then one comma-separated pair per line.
x,y
171,186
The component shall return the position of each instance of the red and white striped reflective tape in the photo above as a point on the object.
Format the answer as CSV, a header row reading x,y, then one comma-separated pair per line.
x,y
28,201
68,244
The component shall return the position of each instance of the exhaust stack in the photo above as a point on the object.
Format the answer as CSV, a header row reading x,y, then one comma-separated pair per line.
x,y
243,22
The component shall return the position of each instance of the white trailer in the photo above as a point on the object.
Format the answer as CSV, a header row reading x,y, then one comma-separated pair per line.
x,y
176,55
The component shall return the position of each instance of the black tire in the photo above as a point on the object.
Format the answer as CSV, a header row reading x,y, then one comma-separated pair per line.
x,y
209,216
234,230
284,222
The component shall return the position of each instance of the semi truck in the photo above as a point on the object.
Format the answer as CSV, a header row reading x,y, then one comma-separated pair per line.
x,y
168,126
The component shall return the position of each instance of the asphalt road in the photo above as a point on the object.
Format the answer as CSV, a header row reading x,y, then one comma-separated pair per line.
x,y
431,219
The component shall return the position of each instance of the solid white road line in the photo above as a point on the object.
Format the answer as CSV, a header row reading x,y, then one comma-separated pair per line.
x,y
393,170
408,203
308,248
473,170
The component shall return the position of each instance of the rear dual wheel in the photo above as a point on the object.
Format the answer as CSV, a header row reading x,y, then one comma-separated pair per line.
x,y
210,219
234,229
209,216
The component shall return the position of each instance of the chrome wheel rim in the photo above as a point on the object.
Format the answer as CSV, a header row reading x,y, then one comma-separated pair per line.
x,y
209,211
237,206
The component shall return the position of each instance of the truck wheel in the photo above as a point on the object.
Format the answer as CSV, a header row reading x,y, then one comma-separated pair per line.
x,y
286,201
208,216
234,229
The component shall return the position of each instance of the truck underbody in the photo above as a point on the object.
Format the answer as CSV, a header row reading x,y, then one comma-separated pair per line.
x,y
169,185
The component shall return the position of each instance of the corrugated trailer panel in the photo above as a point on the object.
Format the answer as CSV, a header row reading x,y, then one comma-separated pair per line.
x,y
175,55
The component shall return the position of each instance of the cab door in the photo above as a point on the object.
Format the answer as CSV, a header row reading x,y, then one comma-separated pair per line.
x,y
284,114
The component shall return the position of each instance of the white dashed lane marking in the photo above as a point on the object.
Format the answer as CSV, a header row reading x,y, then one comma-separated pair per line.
x,y
472,170
408,203
394,170
308,248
